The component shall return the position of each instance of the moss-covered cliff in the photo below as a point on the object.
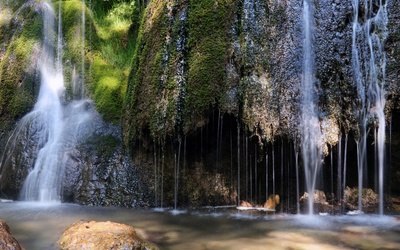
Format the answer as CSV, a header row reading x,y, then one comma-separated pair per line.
x,y
200,88
199,65
241,58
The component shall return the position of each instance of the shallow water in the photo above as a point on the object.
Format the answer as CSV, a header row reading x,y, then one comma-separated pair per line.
x,y
39,226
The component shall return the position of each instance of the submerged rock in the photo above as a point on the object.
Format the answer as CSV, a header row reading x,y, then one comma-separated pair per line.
x,y
102,235
7,241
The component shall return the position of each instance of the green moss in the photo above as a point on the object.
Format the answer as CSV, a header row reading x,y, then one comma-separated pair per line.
x,y
13,5
17,69
161,98
145,85
107,89
108,50
207,56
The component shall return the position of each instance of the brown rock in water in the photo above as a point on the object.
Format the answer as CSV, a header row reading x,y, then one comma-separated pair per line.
x,y
245,204
7,241
319,197
369,198
95,235
272,202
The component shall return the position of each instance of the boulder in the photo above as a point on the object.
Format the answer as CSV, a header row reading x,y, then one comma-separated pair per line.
x,y
102,235
7,241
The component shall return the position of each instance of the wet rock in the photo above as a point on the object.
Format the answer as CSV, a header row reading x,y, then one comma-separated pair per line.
x,y
272,202
319,197
245,204
369,198
102,235
7,241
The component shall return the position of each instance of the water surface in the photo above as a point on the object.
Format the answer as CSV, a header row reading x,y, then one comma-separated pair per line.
x,y
39,226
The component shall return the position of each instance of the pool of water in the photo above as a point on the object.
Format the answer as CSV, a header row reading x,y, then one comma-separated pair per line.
x,y
39,226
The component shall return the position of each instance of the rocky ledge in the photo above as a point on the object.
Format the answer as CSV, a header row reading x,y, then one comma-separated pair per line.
x,y
102,235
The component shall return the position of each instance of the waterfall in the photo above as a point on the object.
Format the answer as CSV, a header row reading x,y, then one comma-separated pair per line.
x,y
58,127
371,31
41,181
310,125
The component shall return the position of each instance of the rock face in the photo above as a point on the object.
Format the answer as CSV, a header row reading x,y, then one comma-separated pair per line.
x,y
99,173
173,94
7,241
259,50
102,235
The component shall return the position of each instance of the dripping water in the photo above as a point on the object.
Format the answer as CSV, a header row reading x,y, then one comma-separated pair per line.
x,y
297,177
246,166
361,113
266,176
273,169
238,163
345,162
177,165
331,154
155,175
311,132
282,180
339,169
255,173
370,82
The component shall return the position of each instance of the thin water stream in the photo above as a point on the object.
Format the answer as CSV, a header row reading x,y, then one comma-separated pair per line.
x,y
310,124
39,226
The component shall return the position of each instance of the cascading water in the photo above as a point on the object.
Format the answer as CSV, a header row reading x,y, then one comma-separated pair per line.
x,y
41,183
58,127
370,82
311,131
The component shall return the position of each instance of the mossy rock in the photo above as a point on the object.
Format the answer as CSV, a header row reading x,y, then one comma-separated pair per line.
x,y
207,59
19,81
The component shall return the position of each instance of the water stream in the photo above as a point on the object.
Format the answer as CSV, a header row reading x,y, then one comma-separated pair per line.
x,y
369,67
37,226
310,125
